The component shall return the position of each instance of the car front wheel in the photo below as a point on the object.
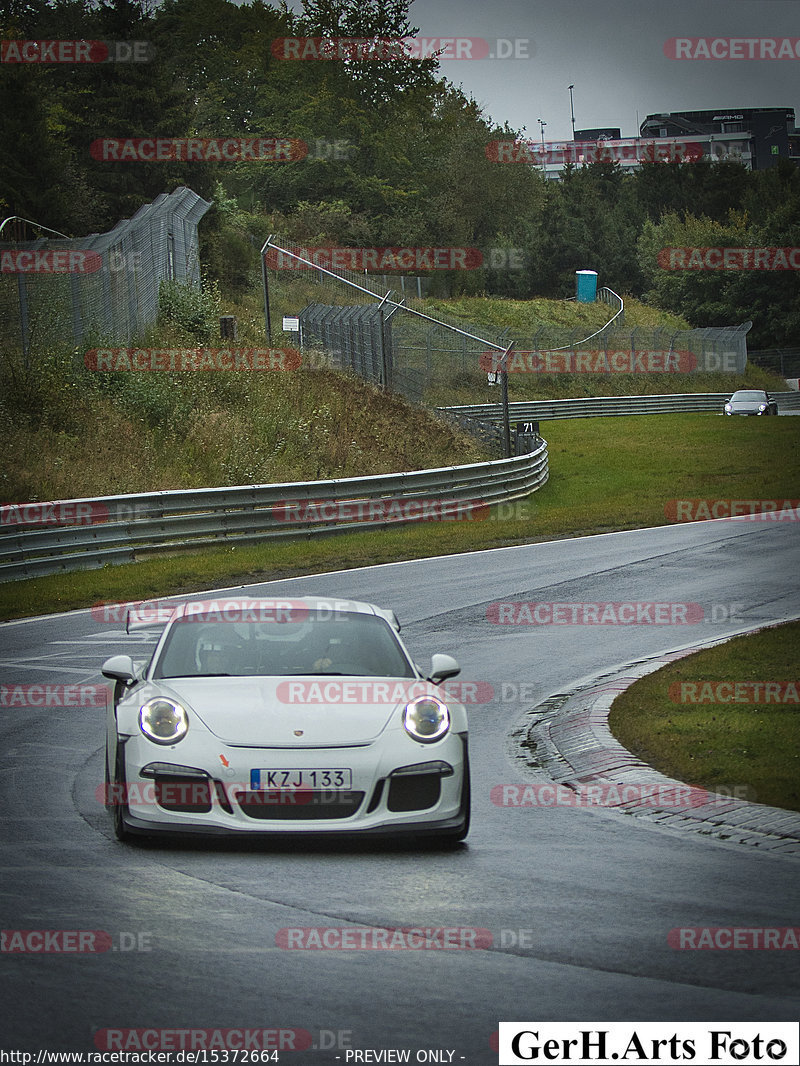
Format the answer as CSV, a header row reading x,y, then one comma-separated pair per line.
x,y
455,836
119,804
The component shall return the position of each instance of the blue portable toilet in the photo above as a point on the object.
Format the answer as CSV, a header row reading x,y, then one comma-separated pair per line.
x,y
586,286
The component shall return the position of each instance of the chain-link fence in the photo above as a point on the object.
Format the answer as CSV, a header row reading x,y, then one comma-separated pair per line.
x,y
398,345
428,355
354,338
101,287
783,361
639,349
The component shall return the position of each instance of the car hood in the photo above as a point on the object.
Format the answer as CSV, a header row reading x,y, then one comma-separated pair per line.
x,y
746,405
326,711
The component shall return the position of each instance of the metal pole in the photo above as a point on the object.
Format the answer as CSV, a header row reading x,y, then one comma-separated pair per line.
x,y
24,326
504,397
542,125
267,321
572,110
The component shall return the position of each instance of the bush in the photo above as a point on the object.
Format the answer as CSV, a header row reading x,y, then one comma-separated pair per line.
x,y
194,310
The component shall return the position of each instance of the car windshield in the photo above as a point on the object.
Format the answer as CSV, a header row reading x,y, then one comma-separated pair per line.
x,y
349,643
750,394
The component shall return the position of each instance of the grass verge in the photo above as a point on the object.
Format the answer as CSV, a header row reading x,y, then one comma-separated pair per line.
x,y
688,721
605,474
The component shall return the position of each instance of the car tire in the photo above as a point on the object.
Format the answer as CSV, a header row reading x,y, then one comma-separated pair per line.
x,y
107,792
451,837
119,807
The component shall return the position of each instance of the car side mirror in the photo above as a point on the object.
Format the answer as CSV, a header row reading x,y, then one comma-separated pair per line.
x,y
442,667
119,668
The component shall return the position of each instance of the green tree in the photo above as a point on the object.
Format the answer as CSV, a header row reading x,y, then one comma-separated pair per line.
x,y
705,187
378,82
705,297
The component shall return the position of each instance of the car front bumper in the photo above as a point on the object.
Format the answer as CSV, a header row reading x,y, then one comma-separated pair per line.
x,y
397,786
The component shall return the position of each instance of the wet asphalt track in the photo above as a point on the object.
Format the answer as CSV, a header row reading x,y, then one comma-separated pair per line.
x,y
578,903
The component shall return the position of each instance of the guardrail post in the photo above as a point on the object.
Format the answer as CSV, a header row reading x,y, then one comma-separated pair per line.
x,y
504,397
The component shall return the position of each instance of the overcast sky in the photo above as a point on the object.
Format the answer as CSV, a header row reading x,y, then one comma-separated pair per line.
x,y
613,53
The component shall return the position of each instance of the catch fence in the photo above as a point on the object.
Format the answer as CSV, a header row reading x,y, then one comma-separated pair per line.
x,y
102,287
783,361
409,345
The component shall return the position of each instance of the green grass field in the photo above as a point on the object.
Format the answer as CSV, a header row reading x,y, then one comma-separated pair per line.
x,y
711,720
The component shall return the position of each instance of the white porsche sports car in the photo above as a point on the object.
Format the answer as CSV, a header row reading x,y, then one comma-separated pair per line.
x,y
285,716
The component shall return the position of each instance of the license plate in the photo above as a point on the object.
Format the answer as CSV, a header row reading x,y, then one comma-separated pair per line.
x,y
291,779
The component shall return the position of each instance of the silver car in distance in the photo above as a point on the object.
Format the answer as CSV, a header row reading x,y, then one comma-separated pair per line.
x,y
285,716
750,402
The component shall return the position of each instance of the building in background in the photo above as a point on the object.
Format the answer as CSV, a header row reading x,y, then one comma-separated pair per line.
x,y
757,137
607,133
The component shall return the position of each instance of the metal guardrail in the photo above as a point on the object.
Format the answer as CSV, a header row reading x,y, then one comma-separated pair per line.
x,y
119,529
605,406
608,296
612,299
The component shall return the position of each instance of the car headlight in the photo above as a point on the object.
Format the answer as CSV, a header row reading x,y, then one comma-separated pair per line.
x,y
426,718
163,721
762,408
728,408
